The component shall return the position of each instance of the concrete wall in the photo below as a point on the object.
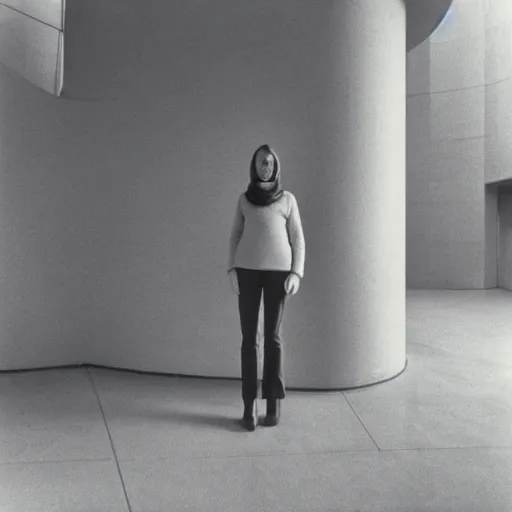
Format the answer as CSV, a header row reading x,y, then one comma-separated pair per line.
x,y
115,215
74,181
459,115
117,200
505,240
498,91
32,40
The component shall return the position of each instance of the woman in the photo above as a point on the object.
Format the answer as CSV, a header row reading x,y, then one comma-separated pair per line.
x,y
267,253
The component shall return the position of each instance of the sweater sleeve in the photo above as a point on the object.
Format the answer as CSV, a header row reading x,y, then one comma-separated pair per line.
x,y
236,234
296,237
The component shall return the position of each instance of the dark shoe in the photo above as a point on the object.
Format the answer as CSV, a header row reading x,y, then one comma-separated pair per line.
x,y
250,418
273,412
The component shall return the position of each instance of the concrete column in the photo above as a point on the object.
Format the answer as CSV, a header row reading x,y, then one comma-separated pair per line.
x,y
115,214
354,315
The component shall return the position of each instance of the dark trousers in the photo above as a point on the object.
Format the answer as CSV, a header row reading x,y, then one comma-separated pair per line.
x,y
251,285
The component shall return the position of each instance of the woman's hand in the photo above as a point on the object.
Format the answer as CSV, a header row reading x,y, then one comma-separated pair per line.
x,y
233,278
291,285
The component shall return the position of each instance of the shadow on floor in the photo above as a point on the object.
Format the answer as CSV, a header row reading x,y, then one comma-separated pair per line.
x,y
199,419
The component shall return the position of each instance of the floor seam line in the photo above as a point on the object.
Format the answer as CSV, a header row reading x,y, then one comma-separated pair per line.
x,y
110,439
359,419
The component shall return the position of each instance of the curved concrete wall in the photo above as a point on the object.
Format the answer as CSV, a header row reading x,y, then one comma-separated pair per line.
x,y
116,210
459,124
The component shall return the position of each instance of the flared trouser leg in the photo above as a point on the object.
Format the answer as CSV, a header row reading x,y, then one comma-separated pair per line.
x,y
274,298
251,284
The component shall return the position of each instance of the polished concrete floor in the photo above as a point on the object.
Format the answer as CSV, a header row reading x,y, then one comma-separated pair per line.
x,y
437,438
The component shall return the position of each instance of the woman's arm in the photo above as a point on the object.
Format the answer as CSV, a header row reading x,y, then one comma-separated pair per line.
x,y
296,238
236,234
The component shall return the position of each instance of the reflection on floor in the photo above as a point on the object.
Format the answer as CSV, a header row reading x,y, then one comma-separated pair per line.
x,y
437,438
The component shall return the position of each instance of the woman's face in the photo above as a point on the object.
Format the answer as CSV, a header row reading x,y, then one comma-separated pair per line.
x,y
264,165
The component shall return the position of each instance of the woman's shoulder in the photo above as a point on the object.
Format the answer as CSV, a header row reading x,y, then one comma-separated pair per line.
x,y
290,198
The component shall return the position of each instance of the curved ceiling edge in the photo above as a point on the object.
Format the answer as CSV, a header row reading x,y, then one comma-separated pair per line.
x,y
423,17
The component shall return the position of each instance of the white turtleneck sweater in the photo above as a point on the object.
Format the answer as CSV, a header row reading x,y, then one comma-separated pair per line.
x,y
268,237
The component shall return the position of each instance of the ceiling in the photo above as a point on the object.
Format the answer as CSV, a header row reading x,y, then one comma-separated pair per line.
x,y
43,64
423,17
